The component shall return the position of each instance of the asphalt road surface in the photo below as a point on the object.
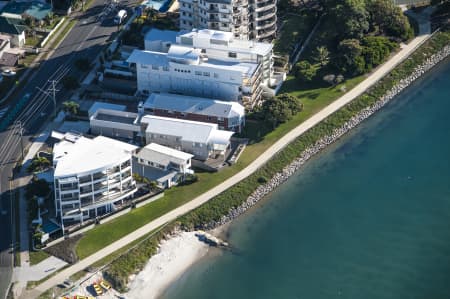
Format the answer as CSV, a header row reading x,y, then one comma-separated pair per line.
x,y
86,39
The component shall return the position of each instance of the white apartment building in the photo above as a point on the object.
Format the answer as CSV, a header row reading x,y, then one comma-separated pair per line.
x,y
224,46
164,165
91,177
185,70
203,140
245,19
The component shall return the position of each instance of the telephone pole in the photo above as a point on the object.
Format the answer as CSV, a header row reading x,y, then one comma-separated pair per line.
x,y
53,91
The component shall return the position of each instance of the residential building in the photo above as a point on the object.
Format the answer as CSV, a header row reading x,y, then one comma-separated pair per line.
x,y
203,140
115,124
92,177
15,29
245,19
228,116
187,71
223,46
103,105
164,165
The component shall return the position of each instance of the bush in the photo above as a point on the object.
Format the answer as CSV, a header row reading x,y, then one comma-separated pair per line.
x,y
262,180
305,71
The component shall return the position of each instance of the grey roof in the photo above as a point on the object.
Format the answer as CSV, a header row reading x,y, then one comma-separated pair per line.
x,y
148,58
9,59
194,105
11,26
191,131
156,34
163,155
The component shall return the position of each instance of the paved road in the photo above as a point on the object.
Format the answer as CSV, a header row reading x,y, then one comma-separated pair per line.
x,y
86,39
299,130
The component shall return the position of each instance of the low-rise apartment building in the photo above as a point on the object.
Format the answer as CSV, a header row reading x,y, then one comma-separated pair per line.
x,y
203,140
228,116
164,165
91,177
187,71
115,123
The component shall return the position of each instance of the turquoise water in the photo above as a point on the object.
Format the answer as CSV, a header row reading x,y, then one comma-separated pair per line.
x,y
367,218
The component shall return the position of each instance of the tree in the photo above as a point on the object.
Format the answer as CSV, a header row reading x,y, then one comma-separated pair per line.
x,y
350,18
71,107
375,50
38,164
389,19
322,56
280,109
349,59
305,71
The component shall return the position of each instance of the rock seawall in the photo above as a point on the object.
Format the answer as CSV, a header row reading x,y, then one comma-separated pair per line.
x,y
289,170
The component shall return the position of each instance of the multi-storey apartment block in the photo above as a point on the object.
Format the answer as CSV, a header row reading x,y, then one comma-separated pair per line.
x,y
91,177
245,19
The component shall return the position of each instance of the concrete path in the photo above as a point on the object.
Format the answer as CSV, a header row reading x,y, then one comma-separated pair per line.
x,y
39,271
263,158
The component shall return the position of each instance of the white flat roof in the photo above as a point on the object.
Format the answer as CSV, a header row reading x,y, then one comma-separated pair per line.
x,y
103,105
191,131
86,155
196,105
233,44
163,155
148,58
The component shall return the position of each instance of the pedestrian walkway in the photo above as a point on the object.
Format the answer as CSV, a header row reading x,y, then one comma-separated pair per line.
x,y
38,271
257,163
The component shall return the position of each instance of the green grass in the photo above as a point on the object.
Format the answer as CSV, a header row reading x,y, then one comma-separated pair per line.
x,y
295,28
37,256
105,234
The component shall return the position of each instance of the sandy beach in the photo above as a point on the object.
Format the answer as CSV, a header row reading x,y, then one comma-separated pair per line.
x,y
174,257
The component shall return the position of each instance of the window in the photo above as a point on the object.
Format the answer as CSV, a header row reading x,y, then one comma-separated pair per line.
x,y
143,66
198,73
216,75
203,51
165,68
220,118
155,67
232,54
207,74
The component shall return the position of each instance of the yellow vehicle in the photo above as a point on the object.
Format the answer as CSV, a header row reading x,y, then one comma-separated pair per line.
x,y
105,284
98,289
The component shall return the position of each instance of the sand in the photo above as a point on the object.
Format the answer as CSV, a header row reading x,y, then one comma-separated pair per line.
x,y
174,257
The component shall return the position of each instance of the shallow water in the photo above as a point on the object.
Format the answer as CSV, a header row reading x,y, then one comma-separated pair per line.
x,y
367,218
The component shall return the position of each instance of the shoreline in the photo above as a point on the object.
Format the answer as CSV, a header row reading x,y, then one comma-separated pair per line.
x,y
137,284
175,255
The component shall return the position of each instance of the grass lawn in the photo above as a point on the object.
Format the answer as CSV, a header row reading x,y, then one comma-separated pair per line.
x,y
313,100
296,27
37,256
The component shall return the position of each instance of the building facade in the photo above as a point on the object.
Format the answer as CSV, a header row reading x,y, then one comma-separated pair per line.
x,y
203,140
164,165
185,70
115,124
245,19
92,177
228,116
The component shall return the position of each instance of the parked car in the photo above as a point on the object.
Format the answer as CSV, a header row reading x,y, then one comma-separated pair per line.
x,y
120,17
8,73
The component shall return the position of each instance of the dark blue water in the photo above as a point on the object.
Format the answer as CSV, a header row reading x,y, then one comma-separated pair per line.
x,y
367,218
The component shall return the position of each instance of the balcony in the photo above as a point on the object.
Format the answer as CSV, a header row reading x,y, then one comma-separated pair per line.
x,y
265,25
266,15
265,5
266,34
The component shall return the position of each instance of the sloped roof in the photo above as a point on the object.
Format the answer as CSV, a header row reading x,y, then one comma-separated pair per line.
x,y
11,26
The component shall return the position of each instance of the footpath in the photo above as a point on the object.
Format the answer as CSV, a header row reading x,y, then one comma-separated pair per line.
x,y
382,71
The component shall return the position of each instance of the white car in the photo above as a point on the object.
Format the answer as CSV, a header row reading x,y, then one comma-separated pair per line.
x,y
8,73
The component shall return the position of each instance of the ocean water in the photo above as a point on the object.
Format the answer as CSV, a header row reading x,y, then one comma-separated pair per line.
x,y
367,218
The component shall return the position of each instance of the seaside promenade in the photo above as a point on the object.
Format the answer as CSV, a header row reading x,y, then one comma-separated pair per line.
x,y
405,51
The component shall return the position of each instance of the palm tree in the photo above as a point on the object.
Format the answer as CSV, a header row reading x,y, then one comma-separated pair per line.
x,y
323,56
